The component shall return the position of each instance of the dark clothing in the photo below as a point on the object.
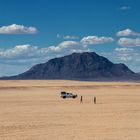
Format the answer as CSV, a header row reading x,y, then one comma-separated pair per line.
x,y
81,99
94,100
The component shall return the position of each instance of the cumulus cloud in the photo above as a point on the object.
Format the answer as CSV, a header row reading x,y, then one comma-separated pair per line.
x,y
124,54
125,8
23,52
128,56
67,37
91,40
127,32
19,51
126,50
118,56
65,45
25,56
17,29
129,42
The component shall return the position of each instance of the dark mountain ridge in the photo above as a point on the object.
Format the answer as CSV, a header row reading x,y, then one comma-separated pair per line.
x,y
79,66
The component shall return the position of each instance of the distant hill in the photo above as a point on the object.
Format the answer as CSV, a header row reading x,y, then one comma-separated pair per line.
x,y
79,66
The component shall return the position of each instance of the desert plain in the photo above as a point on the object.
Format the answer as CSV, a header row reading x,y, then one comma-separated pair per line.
x,y
33,110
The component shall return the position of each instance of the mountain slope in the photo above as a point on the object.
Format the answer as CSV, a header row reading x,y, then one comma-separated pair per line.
x,y
79,66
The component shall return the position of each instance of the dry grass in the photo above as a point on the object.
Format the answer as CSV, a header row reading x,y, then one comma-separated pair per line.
x,y
33,110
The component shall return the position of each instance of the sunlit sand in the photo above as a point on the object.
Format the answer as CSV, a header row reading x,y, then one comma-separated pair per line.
x,y
33,110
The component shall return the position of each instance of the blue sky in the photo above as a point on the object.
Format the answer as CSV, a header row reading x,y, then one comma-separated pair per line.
x,y
33,31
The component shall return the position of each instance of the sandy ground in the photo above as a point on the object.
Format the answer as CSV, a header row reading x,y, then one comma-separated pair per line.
x,y
33,110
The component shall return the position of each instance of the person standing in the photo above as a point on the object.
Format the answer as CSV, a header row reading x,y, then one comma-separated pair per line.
x,y
94,100
81,99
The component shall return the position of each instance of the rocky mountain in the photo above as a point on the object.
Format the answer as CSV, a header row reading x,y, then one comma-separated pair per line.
x,y
79,66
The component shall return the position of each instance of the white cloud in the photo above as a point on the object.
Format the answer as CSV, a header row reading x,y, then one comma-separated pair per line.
x,y
67,37
20,51
91,40
126,50
124,54
128,56
23,52
70,37
27,55
129,42
127,32
125,8
17,29
65,45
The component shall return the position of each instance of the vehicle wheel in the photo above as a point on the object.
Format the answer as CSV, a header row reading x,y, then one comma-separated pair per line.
x,y
64,97
73,97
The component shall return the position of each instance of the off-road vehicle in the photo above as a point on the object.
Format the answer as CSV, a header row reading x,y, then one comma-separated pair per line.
x,y
65,95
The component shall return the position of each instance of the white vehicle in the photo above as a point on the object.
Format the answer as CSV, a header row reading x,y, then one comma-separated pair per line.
x,y
67,95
